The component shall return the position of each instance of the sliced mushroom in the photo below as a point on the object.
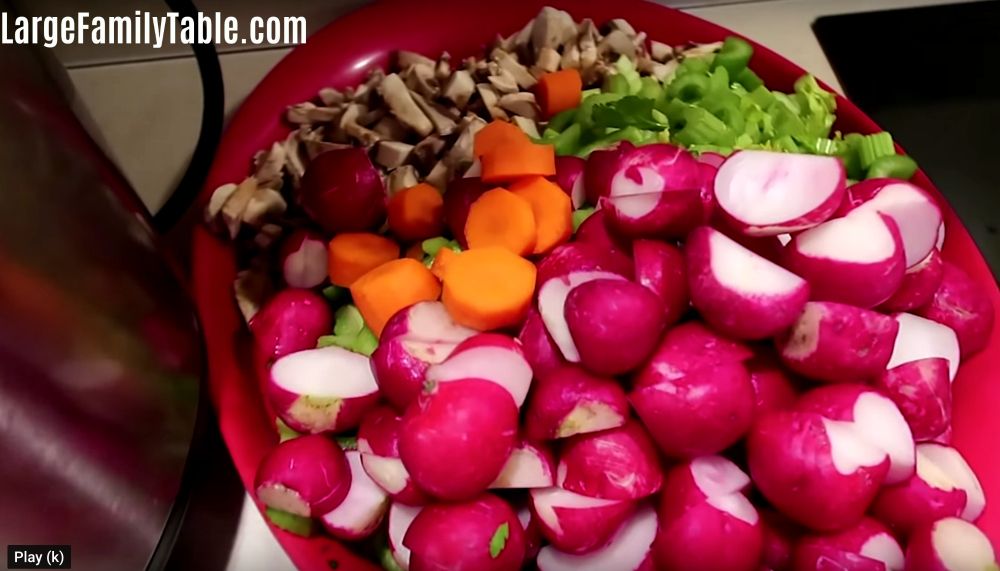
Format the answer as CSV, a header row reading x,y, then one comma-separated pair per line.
x,y
420,78
664,72
660,51
252,287
469,64
372,116
219,198
426,152
529,126
504,81
364,91
270,166
522,38
506,61
295,161
267,236
552,29
397,97
390,128
459,88
403,177
548,59
236,204
701,50
308,114
491,100
406,59
617,42
392,154
264,203
639,42
460,152
349,124
442,70
443,124
439,175
331,97
571,57
595,73
587,35
588,58
522,104
645,65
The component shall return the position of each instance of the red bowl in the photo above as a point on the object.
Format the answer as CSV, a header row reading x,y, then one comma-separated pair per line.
x,y
339,56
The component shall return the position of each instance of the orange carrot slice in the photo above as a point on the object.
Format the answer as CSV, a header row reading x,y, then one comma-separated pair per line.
x,y
501,218
352,255
416,251
416,213
552,208
444,257
512,162
489,288
495,135
382,292
559,91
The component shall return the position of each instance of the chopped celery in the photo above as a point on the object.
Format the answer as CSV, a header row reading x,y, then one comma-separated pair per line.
x,y
585,116
386,559
365,343
626,69
873,147
651,89
762,96
675,112
893,166
342,341
718,81
548,135
285,432
663,136
698,149
783,100
588,92
700,128
730,115
616,83
658,116
336,295
579,216
822,146
689,88
850,182
852,156
347,442
734,55
787,123
630,134
748,79
561,121
695,65
290,522
812,96
787,144
568,141
432,246
348,321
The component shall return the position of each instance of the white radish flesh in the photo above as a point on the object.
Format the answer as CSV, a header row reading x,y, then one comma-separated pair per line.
x,y
491,357
575,523
950,544
363,508
400,518
957,470
627,551
552,306
529,466
921,338
915,212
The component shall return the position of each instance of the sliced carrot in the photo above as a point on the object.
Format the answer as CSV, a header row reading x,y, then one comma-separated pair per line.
x,y
382,292
559,91
444,257
352,255
501,218
495,135
488,288
416,252
552,209
416,213
512,162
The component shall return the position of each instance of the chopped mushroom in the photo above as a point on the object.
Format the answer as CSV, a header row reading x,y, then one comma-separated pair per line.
x,y
548,60
397,97
520,73
459,88
439,175
664,72
443,124
442,71
701,50
308,114
570,57
660,51
267,236
371,116
270,166
295,162
331,97
645,65
264,203
349,124
503,81
622,25
522,104
392,154
529,126
617,42
252,287
219,198
403,177
406,59
390,128
420,78
491,100
236,204
364,91
427,151
552,29
461,151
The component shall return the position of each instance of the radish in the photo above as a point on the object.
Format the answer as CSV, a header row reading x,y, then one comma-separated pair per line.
x,y
572,401
600,169
867,545
292,320
552,296
303,259
711,159
939,244
660,267
628,550
415,338
921,338
538,347
455,439
703,412
706,523
949,544
615,324
617,464
583,257
532,534
768,247
923,394
819,472
378,442
963,305
780,536
687,348
957,470
874,417
857,260
595,231
738,292
307,476
400,518
342,191
458,199
915,212
768,193
834,342
575,523
771,384
322,390
929,495
569,177
481,534
488,356
530,465
920,283
362,510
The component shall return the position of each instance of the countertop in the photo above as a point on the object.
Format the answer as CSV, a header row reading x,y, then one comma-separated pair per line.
x,y
149,112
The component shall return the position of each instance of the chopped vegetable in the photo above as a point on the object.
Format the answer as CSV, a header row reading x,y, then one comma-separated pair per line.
x,y
303,526
443,257
496,135
512,162
552,209
734,55
416,213
352,255
415,251
874,147
899,167
501,218
580,216
382,292
558,91
489,288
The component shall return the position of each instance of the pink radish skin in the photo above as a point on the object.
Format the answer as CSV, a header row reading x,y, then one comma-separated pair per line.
x,y
342,192
857,260
922,392
530,465
818,472
957,470
771,384
768,247
362,510
834,342
867,545
919,338
414,339
456,438
569,177
923,499
767,193
460,537
307,476
703,412
532,535
920,283
660,267
949,544
583,257
711,159
378,442
552,297
738,292
780,536
687,348
963,305
595,231
488,356
303,259
572,401
322,390
574,523
615,324
875,419
939,244
400,518
458,198
709,479
600,169
617,464
628,550
539,349
915,212
293,320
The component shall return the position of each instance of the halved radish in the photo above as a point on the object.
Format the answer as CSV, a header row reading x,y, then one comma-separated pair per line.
x,y
595,232
488,356
400,518
939,244
530,465
303,259
539,349
600,169
703,479
738,292
768,193
958,470
660,267
617,464
949,544
307,476
574,523
922,392
572,401
768,247
780,536
583,257
363,508
772,385
378,442
291,320
915,212
919,338
687,348
628,550
857,260
920,282
962,304
867,545
552,306
322,390
532,533
569,177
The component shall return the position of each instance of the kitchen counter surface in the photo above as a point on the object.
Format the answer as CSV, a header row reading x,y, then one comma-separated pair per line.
x,y
130,102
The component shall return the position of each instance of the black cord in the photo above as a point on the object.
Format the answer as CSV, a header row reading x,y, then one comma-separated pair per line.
x,y
212,116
